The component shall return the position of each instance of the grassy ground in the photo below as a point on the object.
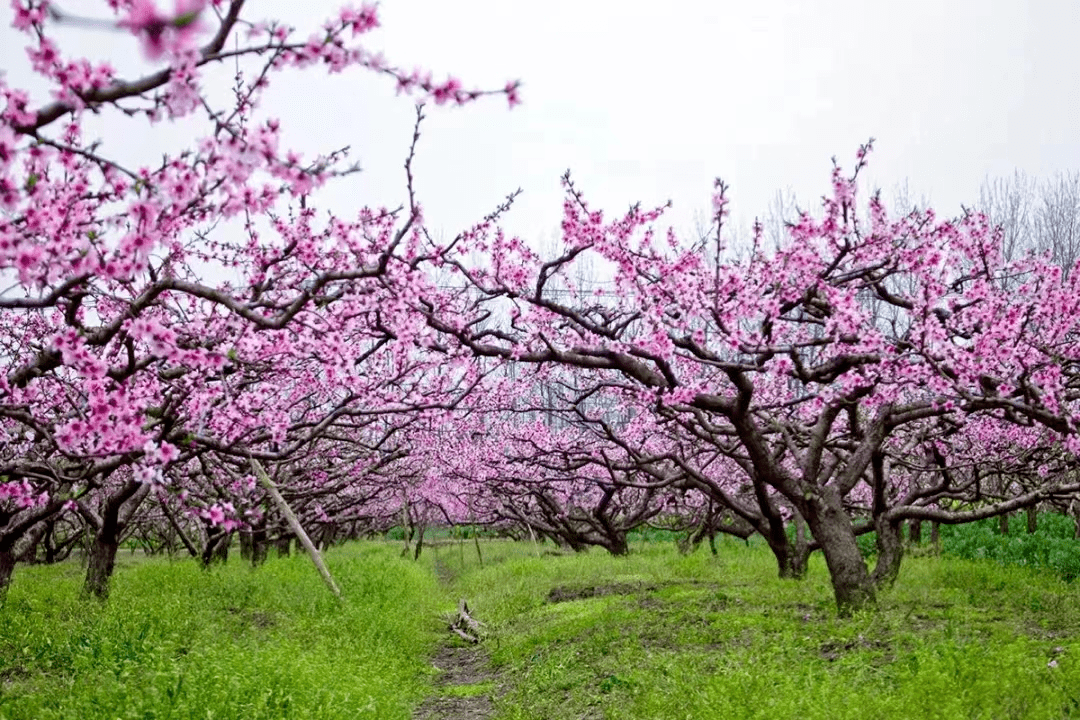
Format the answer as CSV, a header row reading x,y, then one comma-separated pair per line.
x,y
653,635
176,642
1052,548
656,635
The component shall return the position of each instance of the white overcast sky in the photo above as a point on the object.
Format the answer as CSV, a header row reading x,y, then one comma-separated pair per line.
x,y
651,101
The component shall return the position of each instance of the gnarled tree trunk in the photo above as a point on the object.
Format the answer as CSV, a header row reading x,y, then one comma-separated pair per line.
x,y
890,552
7,567
115,515
101,562
30,543
259,545
792,558
790,561
216,550
831,527
13,528
914,532
616,544
889,540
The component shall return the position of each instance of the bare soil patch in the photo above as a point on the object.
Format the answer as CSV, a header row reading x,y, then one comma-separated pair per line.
x,y
461,667
566,593
465,684
13,674
834,649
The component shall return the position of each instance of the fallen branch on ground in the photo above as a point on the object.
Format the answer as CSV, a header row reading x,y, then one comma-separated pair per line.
x,y
465,626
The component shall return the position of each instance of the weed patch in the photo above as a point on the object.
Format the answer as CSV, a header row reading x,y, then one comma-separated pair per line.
x,y
563,593
659,635
464,688
174,641
652,635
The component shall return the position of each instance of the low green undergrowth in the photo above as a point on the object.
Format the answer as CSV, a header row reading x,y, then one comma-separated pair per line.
x,y
652,635
1052,547
176,642
659,635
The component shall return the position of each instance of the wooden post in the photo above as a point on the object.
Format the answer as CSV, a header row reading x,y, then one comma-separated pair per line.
x,y
297,528
536,545
475,536
476,541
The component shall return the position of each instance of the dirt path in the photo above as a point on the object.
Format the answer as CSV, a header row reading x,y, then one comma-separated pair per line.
x,y
464,688
466,684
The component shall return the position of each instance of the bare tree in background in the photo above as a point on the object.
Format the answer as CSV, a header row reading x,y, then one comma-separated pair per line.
x,y
1035,216
1057,219
1043,217
1010,203
782,210
902,201
738,237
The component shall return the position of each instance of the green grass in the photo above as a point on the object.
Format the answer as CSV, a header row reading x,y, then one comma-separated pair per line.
x,y
176,642
652,635
470,690
703,637
1052,547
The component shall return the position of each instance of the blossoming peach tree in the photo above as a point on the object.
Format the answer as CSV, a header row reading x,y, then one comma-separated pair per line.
x,y
127,371
872,369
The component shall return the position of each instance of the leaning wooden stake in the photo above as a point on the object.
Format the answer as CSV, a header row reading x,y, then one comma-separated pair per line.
x,y
536,545
297,528
475,537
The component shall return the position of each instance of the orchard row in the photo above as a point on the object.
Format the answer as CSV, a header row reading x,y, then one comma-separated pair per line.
x,y
167,330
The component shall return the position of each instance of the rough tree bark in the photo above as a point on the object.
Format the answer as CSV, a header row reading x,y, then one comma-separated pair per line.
x,y
831,527
890,552
115,515
802,546
821,506
790,562
259,546
914,532
616,544
31,541
7,567
890,545
216,550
